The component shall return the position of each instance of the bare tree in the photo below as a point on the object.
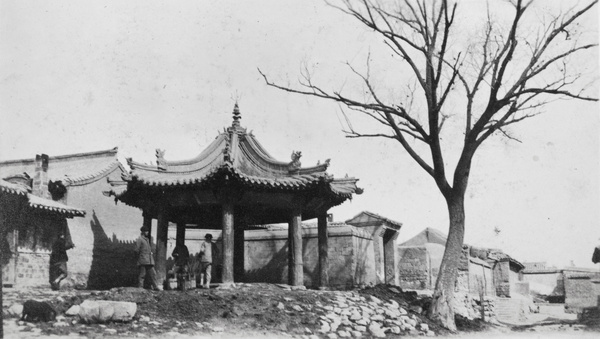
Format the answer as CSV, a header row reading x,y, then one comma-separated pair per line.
x,y
500,79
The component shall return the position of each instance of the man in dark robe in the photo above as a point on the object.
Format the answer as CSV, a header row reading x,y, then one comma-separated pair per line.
x,y
58,261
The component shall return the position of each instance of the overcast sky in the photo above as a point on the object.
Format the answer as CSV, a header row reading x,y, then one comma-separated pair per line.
x,y
82,76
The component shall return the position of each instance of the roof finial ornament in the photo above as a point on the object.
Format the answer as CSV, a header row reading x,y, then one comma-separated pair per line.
x,y
236,115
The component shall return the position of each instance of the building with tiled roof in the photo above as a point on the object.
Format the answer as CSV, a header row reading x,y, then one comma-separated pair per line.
x,y
103,237
29,224
233,184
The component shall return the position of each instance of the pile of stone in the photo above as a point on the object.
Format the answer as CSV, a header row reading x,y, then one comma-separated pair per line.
x,y
352,315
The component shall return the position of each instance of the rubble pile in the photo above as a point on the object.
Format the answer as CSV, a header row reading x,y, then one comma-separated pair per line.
x,y
351,315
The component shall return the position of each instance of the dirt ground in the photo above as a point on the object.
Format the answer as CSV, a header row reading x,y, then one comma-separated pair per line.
x,y
243,311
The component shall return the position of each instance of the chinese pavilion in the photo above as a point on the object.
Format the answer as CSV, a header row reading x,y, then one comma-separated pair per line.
x,y
233,185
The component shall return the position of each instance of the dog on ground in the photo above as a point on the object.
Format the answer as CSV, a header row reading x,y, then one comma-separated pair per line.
x,y
38,311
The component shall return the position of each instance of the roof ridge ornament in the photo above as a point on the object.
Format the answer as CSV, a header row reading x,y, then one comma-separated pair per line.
x,y
161,163
236,115
295,165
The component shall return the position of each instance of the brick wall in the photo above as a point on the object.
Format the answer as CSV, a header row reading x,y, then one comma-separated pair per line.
x,y
32,268
351,257
414,268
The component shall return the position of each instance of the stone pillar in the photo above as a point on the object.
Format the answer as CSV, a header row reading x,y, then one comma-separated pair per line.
x,y
295,263
389,257
161,246
323,251
228,243
180,236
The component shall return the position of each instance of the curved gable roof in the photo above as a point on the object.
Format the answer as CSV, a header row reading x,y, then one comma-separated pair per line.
x,y
71,169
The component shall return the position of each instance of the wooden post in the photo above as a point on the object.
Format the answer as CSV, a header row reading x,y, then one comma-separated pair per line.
x,y
147,222
180,236
238,252
161,246
228,243
295,264
2,251
323,251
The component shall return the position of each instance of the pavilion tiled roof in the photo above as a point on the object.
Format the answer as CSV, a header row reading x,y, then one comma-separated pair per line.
x,y
39,203
237,153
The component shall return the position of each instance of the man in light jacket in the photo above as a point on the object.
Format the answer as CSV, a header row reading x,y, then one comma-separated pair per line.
x,y
143,248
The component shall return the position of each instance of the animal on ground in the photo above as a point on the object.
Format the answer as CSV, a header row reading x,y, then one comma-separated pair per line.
x,y
38,311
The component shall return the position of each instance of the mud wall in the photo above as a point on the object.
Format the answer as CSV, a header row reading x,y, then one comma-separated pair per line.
x,y
549,282
103,256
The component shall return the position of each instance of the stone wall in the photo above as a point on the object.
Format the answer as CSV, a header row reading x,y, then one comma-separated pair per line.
x,y
351,257
469,306
414,268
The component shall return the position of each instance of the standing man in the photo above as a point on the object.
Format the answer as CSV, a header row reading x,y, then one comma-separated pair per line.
x,y
206,261
58,261
181,254
143,248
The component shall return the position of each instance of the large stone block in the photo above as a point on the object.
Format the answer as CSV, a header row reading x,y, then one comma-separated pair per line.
x,y
101,311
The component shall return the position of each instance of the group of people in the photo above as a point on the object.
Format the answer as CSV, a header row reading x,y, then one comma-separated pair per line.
x,y
145,260
181,255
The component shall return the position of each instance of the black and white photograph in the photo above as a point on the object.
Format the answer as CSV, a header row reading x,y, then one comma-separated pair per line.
x,y
307,169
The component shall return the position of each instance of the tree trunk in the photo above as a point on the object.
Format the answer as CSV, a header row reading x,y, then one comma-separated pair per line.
x,y
441,309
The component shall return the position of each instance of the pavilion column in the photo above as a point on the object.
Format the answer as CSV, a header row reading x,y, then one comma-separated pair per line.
x,y
228,243
323,251
161,245
147,222
180,236
295,262
238,252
